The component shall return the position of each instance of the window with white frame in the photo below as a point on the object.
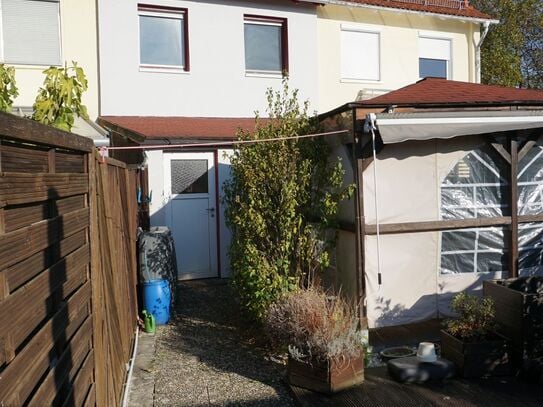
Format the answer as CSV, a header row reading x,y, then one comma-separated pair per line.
x,y
266,45
163,37
434,57
30,32
360,55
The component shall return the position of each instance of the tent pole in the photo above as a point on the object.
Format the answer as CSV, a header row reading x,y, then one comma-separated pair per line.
x,y
513,182
360,225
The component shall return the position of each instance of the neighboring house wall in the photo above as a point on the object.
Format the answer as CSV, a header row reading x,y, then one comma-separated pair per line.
x,y
77,42
216,83
399,49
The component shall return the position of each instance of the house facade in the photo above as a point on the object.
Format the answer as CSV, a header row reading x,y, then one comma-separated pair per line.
x,y
192,72
367,48
39,34
195,71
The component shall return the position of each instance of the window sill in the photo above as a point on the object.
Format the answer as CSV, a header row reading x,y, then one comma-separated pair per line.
x,y
264,75
366,81
20,65
163,70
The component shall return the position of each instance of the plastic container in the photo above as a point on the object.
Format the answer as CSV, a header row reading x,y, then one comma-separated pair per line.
x,y
156,299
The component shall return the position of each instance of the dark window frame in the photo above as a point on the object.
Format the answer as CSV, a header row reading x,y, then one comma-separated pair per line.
x,y
283,22
170,10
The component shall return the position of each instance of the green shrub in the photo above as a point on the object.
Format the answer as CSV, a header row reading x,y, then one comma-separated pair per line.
x,y
59,100
475,319
281,198
8,88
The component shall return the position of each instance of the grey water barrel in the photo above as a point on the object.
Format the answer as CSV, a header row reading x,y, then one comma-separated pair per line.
x,y
157,259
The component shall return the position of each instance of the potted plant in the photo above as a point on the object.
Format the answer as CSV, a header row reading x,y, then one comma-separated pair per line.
x,y
470,340
323,339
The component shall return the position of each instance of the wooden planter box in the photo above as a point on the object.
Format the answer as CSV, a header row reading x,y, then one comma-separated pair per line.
x,y
326,377
519,317
477,359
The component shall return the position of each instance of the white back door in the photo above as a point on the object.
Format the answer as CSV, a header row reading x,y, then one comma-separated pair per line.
x,y
189,183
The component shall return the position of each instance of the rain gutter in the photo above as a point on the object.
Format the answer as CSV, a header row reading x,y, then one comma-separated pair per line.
x,y
417,12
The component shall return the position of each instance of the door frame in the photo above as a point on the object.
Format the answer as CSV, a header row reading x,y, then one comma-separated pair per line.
x,y
214,227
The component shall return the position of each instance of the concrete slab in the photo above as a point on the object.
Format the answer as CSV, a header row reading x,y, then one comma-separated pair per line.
x,y
142,384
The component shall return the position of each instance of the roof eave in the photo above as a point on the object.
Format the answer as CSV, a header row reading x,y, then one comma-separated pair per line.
x,y
361,105
400,10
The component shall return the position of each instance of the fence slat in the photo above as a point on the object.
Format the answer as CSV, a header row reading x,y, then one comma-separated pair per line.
x,y
67,269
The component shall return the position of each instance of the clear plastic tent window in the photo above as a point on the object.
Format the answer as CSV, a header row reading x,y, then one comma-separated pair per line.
x,y
477,187
530,202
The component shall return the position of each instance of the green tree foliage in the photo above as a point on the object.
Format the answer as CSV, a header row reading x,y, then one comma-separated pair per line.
x,y
8,88
59,100
281,199
512,53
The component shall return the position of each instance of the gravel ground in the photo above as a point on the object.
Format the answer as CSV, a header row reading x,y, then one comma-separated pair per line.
x,y
209,356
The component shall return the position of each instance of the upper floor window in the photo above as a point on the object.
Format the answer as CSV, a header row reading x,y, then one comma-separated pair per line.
x,y
163,37
30,32
266,45
360,54
434,57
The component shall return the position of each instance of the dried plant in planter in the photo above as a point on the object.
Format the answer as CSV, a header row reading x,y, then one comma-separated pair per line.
x,y
314,326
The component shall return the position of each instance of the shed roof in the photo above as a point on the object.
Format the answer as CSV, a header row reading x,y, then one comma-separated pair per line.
x,y
442,92
177,127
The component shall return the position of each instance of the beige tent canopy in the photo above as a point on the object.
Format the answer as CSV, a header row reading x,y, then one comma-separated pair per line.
x,y
449,195
398,127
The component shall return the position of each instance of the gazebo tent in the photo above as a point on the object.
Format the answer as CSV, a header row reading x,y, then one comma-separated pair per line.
x,y
450,193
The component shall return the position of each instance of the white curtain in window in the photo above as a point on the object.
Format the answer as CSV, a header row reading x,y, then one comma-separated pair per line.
x,y
31,32
359,55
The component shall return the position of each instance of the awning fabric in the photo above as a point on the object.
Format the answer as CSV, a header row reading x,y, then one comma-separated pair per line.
x,y
398,127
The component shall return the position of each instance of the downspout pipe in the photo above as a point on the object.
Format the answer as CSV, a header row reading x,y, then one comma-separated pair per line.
x,y
486,26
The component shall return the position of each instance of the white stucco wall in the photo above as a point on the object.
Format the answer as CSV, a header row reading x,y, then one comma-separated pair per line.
x,y
399,51
78,43
216,84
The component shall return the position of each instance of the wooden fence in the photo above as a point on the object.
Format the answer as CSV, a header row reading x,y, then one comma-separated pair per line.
x,y
67,268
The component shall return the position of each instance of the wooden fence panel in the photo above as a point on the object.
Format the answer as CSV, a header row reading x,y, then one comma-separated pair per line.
x,y
67,268
114,274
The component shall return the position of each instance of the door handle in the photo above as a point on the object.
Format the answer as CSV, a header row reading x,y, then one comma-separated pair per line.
x,y
210,210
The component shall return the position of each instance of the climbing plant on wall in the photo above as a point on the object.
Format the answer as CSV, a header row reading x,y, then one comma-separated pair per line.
x,y
281,199
59,100
8,87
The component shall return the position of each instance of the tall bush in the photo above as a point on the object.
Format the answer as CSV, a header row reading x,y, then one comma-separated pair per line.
x,y
8,88
60,98
281,199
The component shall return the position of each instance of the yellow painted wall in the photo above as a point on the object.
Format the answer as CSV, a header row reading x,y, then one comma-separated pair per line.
x,y
399,35
78,43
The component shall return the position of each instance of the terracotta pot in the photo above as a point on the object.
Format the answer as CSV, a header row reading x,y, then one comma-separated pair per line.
x,y
477,359
326,377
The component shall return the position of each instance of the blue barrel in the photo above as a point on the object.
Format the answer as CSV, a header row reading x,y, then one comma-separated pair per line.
x,y
156,299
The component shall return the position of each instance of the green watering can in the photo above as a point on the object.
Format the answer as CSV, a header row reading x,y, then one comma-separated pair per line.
x,y
149,322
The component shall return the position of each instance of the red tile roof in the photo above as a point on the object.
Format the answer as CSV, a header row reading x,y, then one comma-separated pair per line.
x,y
457,8
181,127
434,91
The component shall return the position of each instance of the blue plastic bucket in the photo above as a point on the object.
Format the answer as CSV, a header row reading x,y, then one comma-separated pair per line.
x,y
156,299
